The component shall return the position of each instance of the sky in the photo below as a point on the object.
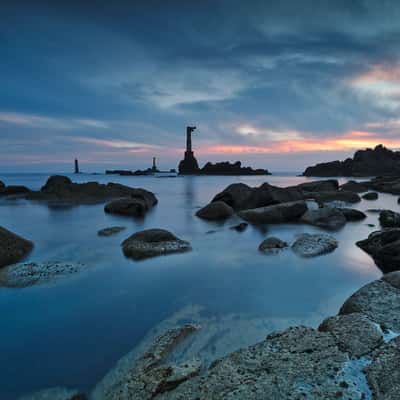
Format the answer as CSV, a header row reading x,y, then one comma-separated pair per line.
x,y
277,85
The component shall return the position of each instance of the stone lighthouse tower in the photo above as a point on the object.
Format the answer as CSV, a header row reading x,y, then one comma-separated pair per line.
x,y
189,165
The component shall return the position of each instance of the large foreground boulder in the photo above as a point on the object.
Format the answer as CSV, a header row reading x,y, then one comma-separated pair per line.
x,y
384,247
275,214
312,245
61,190
152,243
12,247
217,210
325,217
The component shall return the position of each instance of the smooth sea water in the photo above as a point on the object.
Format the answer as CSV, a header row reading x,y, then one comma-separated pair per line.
x,y
71,332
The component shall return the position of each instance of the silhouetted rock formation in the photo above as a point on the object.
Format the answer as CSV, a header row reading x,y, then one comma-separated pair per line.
x,y
369,162
12,247
227,168
189,165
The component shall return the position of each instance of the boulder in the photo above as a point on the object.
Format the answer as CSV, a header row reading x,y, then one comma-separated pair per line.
x,y
327,185
351,214
325,217
355,333
275,214
311,245
217,210
152,243
131,207
389,219
385,184
151,374
272,245
112,230
55,183
353,186
12,247
379,301
370,196
339,195
13,190
384,247
28,274
383,372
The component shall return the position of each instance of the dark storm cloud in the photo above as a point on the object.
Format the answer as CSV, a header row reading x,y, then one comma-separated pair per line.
x,y
139,71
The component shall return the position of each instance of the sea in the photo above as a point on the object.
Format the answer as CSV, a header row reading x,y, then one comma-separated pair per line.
x,y
72,331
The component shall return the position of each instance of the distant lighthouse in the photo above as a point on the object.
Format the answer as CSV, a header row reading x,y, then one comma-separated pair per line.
x,y
76,166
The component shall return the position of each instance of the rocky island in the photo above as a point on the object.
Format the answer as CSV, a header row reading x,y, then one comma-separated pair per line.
x,y
368,162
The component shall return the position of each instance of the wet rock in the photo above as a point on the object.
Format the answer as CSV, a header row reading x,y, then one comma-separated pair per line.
x,y
112,230
384,247
379,301
325,217
28,274
13,190
327,185
61,190
353,186
240,227
152,243
131,207
392,278
217,210
150,375
351,214
271,245
12,247
354,333
370,196
384,373
339,195
56,393
278,213
389,219
311,245
385,184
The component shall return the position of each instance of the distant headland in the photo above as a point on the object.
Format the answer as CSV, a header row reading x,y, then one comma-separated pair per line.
x,y
368,162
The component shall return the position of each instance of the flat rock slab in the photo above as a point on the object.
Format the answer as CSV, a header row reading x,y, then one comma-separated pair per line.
x,y
12,247
152,243
311,245
325,217
28,274
275,214
112,230
217,210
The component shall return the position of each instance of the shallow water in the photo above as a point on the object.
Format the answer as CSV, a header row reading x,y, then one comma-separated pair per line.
x,y
70,333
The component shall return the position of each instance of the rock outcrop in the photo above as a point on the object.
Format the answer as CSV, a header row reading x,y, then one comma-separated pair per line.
x,y
389,219
13,248
339,195
353,186
312,245
61,190
275,214
217,210
369,162
325,217
227,168
13,190
384,247
152,243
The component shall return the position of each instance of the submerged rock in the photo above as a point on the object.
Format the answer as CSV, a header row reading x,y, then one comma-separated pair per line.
x,y
271,245
240,227
311,245
278,213
217,210
351,214
370,196
112,230
152,243
12,247
56,393
28,274
389,219
149,376
384,247
325,217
